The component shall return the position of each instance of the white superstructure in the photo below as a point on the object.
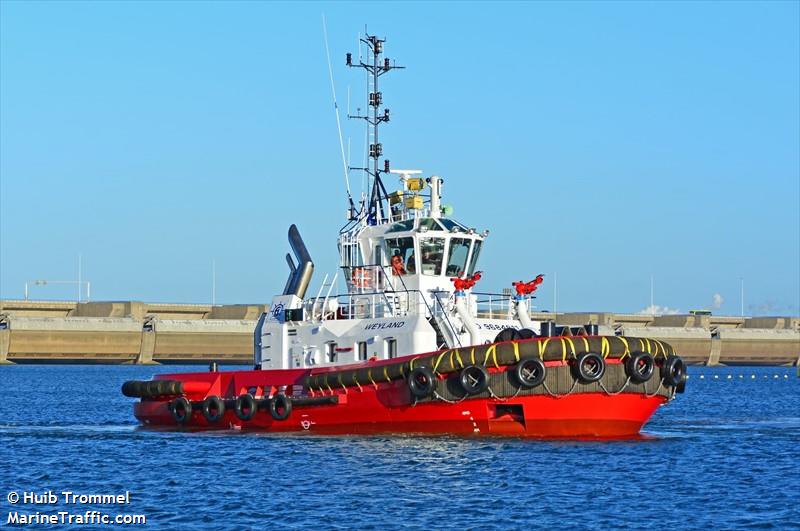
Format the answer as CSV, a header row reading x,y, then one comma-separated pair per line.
x,y
399,254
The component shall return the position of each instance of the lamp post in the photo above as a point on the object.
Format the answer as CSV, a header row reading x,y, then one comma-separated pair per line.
x,y
741,293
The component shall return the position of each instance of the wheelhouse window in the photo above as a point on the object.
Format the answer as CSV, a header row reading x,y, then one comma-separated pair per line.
x,y
429,224
432,250
473,262
457,256
402,226
351,255
452,226
401,255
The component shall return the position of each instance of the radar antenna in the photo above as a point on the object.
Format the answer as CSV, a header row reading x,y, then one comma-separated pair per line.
x,y
377,114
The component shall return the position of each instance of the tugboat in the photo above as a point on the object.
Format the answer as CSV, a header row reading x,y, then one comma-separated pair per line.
x,y
412,347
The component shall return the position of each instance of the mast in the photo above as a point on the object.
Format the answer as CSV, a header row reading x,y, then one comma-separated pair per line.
x,y
377,114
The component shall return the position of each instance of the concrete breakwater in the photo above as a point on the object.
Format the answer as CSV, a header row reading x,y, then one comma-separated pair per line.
x,y
137,332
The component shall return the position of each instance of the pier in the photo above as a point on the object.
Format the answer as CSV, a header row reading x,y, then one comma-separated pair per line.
x,y
138,332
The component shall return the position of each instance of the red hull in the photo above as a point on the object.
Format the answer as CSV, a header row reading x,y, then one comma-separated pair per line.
x,y
384,409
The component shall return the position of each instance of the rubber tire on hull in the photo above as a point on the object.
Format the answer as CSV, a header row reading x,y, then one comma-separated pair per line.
x,y
245,406
152,388
589,367
172,387
422,382
673,370
132,389
530,373
181,410
681,387
640,367
507,334
474,379
280,407
213,409
526,333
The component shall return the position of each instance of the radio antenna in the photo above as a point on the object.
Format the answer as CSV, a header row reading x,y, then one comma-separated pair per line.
x,y
338,122
376,115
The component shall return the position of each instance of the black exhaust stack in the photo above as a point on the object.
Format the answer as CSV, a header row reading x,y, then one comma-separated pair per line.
x,y
300,275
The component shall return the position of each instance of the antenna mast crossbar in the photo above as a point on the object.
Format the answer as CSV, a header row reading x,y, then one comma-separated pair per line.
x,y
377,114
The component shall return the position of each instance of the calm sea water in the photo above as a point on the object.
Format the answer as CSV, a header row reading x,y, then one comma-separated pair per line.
x,y
724,455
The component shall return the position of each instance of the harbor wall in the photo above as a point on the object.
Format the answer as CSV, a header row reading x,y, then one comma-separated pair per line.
x,y
138,332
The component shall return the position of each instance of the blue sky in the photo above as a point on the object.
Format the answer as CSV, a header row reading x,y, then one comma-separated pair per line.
x,y
607,142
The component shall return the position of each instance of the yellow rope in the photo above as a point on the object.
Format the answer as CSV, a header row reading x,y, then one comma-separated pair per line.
x,y
663,349
369,374
563,350
386,372
585,344
489,351
438,361
543,348
516,351
605,347
571,346
627,349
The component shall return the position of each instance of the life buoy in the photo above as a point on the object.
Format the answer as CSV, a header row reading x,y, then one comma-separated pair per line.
x,y
422,382
362,277
474,379
213,408
589,367
640,367
181,409
280,407
398,267
673,370
530,372
245,406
